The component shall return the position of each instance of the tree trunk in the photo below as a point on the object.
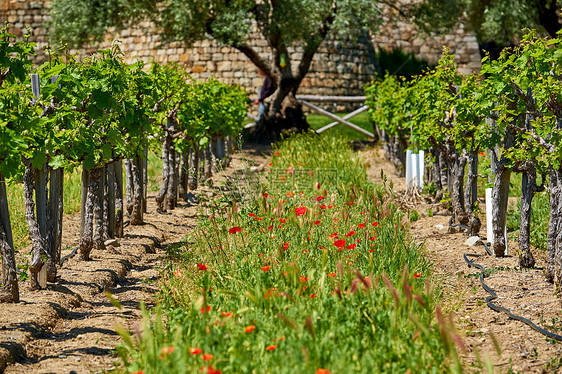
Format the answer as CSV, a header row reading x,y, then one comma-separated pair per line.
x,y
128,186
276,120
528,189
110,209
87,232
99,234
38,242
208,165
171,188
118,188
194,168
105,201
9,292
436,175
166,173
183,173
457,165
554,226
500,196
144,161
470,193
136,176
55,214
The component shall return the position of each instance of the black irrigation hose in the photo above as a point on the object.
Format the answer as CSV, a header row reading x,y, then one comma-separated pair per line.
x,y
493,295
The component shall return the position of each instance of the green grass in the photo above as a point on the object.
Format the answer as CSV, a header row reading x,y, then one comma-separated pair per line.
x,y
310,274
362,120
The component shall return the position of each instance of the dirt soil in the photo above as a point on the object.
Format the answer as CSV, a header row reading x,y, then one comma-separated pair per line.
x,y
493,341
70,326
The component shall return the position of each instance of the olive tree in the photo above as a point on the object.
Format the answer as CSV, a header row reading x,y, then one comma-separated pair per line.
x,y
293,30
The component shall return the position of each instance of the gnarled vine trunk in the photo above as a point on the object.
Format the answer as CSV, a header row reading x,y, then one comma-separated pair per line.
x,y
457,164
470,192
500,195
528,189
89,196
554,236
9,292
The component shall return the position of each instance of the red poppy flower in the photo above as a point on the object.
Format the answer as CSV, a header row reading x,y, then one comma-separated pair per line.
x,y
351,246
316,223
350,234
340,243
201,266
207,356
323,206
361,226
204,310
269,228
276,153
265,195
371,250
322,371
270,347
282,220
250,328
167,351
331,275
375,224
482,154
333,235
235,229
177,273
251,214
417,275
320,198
303,279
265,268
372,238
300,210
195,351
313,295
139,372
212,370
285,246
226,314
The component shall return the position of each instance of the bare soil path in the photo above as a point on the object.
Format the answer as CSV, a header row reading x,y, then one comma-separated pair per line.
x,y
494,341
70,326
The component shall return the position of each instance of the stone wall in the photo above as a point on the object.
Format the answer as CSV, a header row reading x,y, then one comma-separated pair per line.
x,y
340,67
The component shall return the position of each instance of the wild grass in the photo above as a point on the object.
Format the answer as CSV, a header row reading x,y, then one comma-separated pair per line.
x,y
316,273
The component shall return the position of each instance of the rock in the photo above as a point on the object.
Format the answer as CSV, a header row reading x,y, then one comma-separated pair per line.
x,y
112,243
472,241
440,227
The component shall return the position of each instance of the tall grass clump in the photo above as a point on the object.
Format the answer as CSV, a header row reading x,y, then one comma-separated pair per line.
x,y
316,273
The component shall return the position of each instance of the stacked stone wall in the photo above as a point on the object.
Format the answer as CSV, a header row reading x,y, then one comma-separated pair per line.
x,y
340,67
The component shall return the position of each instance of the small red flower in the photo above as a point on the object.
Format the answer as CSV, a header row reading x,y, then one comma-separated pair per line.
x,y
482,154
303,279
320,198
265,195
361,226
351,246
313,295
322,371
250,328
226,314
265,268
282,220
270,347
316,223
286,246
195,351
351,233
331,275
207,356
372,238
375,224
235,229
177,273
167,351
300,210
276,153
340,243
212,370
323,206
417,275
251,214
202,267
204,310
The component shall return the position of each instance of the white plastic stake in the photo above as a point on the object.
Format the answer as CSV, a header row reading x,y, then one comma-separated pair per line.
x,y
408,168
421,163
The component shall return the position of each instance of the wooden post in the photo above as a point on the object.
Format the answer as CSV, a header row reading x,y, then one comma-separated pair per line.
x,y
145,181
338,119
10,289
84,196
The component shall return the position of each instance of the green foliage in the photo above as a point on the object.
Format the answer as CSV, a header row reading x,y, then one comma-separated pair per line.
x,y
265,288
